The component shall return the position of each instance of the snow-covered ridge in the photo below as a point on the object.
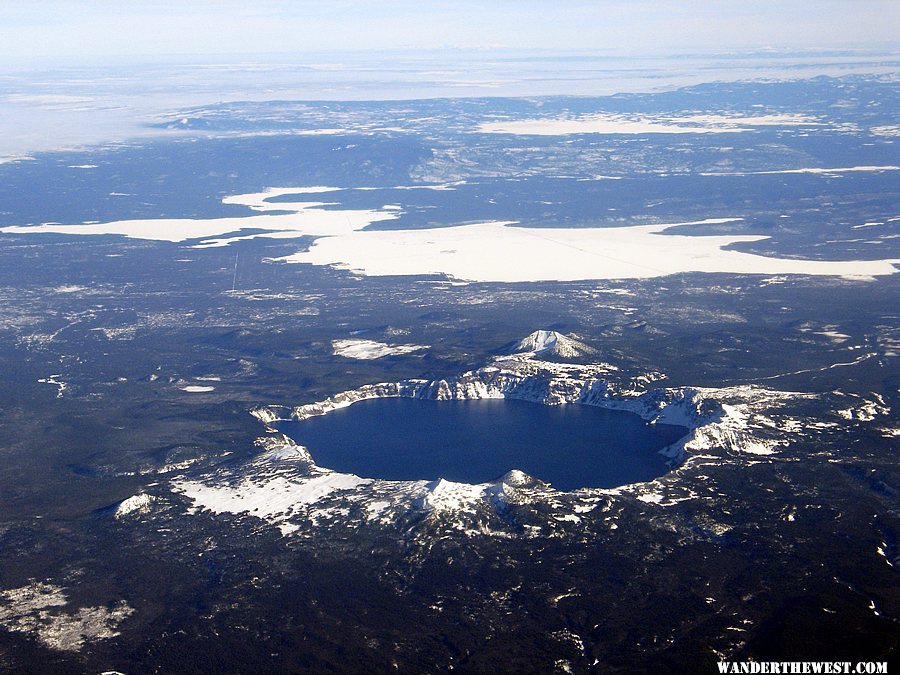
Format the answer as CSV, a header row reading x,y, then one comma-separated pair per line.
x,y
713,417
519,376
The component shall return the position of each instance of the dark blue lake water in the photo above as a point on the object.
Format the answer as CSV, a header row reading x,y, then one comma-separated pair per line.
x,y
569,446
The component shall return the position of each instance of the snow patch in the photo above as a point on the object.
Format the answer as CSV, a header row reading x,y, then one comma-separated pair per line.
x,y
890,130
370,349
273,497
40,609
445,496
138,504
56,382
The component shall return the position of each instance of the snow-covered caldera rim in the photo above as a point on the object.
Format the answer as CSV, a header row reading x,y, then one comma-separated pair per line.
x,y
745,424
523,375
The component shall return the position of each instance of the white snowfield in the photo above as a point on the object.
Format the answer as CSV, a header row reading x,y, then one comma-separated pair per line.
x,y
444,496
300,219
273,497
494,251
622,124
809,170
370,349
488,251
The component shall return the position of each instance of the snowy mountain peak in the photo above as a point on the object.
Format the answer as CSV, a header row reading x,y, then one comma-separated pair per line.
x,y
516,478
550,342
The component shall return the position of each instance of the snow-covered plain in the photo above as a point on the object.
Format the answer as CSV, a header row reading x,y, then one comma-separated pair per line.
x,y
488,251
494,251
280,220
620,124
809,170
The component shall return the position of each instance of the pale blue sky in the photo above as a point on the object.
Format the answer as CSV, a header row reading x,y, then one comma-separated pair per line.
x,y
86,29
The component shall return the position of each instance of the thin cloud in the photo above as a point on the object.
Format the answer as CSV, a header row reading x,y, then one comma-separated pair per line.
x,y
64,28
